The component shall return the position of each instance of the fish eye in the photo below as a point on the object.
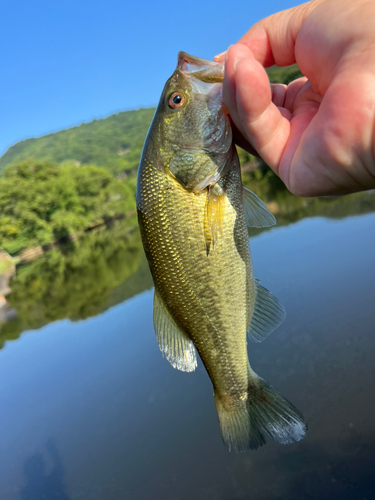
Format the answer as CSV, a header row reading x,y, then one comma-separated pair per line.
x,y
176,100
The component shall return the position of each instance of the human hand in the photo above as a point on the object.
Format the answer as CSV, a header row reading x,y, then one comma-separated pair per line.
x,y
317,134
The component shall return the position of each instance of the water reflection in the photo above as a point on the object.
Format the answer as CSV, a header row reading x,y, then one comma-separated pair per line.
x,y
101,269
40,483
77,280
129,426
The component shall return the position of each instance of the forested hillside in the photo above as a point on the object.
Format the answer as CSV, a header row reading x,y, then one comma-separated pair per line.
x,y
41,203
283,75
114,143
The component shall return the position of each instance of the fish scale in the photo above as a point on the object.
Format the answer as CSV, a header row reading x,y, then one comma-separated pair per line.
x,y
187,286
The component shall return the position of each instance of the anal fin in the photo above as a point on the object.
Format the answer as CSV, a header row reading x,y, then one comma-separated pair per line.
x,y
176,347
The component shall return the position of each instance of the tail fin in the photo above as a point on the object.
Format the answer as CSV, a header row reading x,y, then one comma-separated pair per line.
x,y
266,412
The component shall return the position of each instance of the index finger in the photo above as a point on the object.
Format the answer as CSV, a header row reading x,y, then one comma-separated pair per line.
x,y
272,40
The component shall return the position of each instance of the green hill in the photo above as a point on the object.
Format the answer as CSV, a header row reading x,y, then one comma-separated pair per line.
x,y
283,75
114,142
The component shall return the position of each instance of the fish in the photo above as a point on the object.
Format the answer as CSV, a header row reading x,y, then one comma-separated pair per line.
x,y
193,214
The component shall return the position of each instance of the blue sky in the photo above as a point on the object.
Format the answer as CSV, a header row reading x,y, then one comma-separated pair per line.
x,y
68,62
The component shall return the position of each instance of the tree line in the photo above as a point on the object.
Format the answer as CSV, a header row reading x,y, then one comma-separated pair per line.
x,y
41,202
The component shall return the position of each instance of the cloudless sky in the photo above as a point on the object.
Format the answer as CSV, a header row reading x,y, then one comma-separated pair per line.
x,y
69,61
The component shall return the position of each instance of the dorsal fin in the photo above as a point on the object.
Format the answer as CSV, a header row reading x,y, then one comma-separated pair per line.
x,y
256,212
267,316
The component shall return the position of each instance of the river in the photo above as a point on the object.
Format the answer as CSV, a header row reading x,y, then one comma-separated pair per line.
x,y
90,410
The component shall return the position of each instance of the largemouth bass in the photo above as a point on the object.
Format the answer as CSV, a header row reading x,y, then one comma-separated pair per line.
x,y
193,214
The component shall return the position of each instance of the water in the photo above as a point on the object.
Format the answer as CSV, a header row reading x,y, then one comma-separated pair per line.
x,y
91,410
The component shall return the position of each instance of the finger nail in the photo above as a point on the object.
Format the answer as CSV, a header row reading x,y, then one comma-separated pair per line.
x,y
220,56
236,61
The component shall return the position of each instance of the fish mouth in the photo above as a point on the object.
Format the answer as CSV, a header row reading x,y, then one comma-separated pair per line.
x,y
201,69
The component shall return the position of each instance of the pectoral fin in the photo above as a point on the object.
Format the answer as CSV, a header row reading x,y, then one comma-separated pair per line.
x,y
267,316
174,344
256,212
214,218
